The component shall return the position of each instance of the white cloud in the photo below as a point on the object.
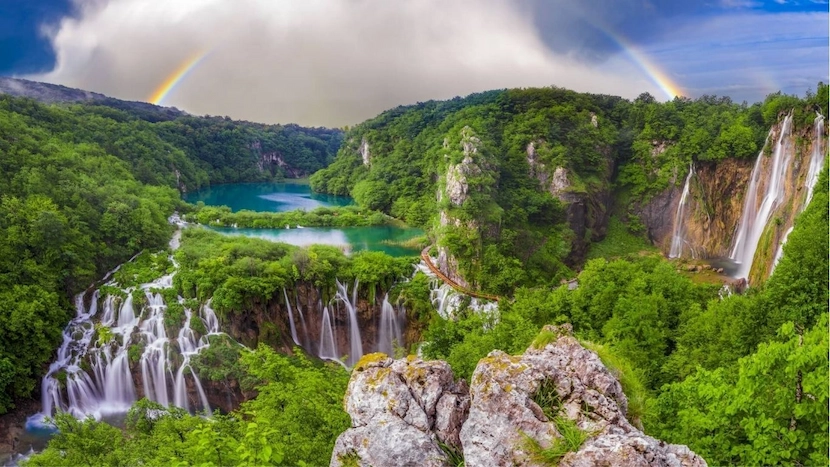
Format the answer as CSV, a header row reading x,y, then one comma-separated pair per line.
x,y
314,62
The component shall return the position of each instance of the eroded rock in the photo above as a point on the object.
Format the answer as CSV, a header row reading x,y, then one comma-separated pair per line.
x,y
401,410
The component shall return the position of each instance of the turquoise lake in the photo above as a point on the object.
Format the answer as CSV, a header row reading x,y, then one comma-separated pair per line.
x,y
279,197
267,197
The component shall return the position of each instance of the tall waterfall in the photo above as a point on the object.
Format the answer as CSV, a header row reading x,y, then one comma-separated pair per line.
x,y
755,215
94,378
813,170
816,158
677,240
355,343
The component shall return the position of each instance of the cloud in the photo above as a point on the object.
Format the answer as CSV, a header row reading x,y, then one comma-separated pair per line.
x,y
748,55
315,62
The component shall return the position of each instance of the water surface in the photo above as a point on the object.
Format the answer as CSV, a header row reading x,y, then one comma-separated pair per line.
x,y
349,239
265,197
281,197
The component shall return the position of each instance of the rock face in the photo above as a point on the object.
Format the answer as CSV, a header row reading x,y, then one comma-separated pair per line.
x,y
401,409
456,188
587,211
716,200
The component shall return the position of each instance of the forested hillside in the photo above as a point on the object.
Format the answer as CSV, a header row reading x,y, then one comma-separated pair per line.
x,y
183,151
517,190
84,187
516,184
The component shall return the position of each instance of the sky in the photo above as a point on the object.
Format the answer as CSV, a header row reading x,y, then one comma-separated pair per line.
x,y
339,62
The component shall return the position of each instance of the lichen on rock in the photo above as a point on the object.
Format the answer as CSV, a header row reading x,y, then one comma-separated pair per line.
x,y
402,409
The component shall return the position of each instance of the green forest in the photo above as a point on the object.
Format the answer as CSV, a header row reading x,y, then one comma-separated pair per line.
x,y
740,378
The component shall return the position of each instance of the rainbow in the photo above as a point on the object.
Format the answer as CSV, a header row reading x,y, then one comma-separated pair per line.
x,y
176,77
658,76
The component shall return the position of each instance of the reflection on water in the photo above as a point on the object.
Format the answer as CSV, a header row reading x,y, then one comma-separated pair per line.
x,y
290,196
349,239
730,266
266,197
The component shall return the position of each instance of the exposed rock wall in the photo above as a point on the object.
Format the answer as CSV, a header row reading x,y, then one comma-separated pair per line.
x,y
716,203
456,188
714,209
401,410
587,211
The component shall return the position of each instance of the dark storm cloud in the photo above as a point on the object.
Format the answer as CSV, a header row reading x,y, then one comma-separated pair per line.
x,y
24,48
582,28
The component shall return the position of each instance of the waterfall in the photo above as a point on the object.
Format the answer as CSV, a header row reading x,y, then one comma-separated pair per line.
x,y
306,340
328,345
390,328
755,216
290,318
677,240
813,170
93,377
816,158
355,342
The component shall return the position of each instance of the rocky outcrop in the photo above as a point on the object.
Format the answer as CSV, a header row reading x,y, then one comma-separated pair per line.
x,y
714,208
457,190
401,410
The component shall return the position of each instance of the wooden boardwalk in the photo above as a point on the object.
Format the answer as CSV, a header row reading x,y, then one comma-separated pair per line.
x,y
428,260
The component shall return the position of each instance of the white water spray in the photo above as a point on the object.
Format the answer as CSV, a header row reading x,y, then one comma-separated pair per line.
x,y
755,216
677,240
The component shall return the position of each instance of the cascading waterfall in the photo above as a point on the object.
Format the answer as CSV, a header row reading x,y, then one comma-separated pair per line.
x,y
813,170
355,341
677,240
93,378
306,341
780,252
390,329
447,301
755,216
328,344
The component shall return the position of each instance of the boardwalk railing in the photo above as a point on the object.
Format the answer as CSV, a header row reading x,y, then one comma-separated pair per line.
x,y
428,260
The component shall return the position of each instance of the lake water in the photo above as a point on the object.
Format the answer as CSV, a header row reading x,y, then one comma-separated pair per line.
x,y
266,197
290,196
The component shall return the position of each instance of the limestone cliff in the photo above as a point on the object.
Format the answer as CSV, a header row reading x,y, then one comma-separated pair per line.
x,y
717,198
468,173
412,412
586,208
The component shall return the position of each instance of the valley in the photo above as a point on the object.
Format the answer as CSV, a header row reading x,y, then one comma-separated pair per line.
x,y
164,270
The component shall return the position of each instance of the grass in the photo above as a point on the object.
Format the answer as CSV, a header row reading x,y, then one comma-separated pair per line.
x,y
455,457
548,399
349,459
571,440
619,242
544,338
630,380
418,242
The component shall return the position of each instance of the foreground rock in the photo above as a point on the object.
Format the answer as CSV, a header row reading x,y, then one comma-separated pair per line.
x,y
402,412
518,408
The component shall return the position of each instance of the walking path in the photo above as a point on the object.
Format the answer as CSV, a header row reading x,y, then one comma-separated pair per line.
x,y
428,260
